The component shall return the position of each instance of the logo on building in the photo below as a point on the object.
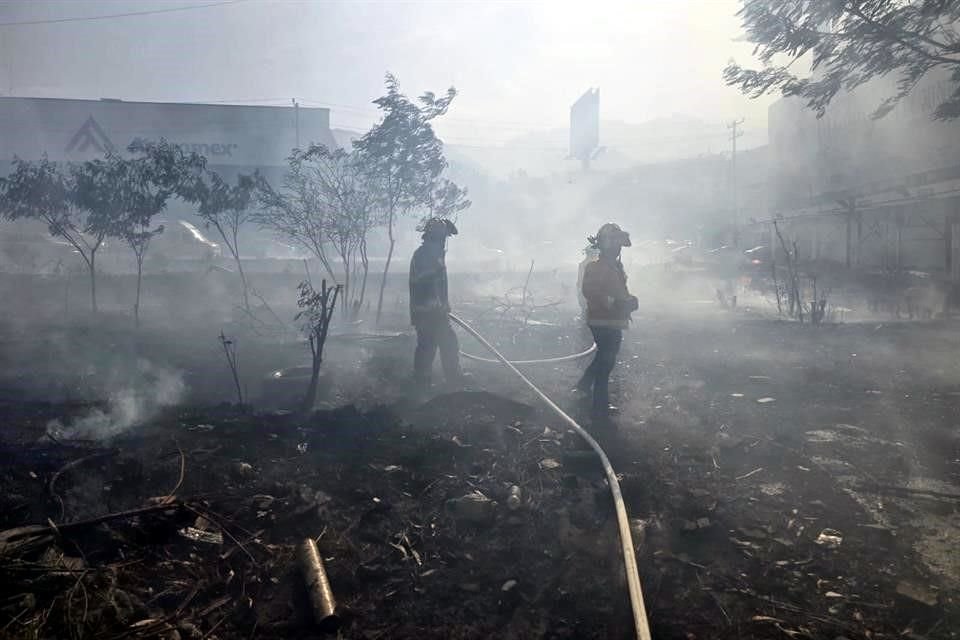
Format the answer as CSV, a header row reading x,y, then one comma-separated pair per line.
x,y
90,135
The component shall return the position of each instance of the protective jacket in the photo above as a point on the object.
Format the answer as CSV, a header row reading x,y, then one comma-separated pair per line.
x,y
580,271
609,303
428,284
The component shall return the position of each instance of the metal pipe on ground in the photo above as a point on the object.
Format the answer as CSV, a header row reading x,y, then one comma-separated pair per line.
x,y
641,625
320,593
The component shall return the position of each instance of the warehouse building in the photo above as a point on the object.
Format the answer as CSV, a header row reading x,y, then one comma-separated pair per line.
x,y
234,138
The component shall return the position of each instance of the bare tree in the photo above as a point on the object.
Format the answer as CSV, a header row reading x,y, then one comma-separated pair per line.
x,y
298,211
351,205
316,310
327,205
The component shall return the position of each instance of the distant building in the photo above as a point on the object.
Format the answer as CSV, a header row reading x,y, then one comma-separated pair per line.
x,y
234,138
877,193
689,199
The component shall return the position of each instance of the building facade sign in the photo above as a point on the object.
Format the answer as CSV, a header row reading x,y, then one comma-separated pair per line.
x,y
88,136
244,137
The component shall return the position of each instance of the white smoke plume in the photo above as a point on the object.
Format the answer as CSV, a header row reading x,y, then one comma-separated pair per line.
x,y
137,399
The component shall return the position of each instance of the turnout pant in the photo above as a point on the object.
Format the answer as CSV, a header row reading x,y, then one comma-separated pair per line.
x,y
434,333
597,375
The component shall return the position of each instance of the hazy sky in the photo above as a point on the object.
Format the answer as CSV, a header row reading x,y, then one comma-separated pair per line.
x,y
518,65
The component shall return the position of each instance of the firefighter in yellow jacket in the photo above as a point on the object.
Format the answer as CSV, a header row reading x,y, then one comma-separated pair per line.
x,y
609,305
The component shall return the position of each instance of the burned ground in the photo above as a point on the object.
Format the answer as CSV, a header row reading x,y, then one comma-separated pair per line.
x,y
783,481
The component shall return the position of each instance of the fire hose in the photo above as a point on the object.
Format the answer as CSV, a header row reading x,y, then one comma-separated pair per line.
x,y
641,626
574,356
362,337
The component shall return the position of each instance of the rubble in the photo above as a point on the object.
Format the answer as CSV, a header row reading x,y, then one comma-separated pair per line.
x,y
473,507
830,538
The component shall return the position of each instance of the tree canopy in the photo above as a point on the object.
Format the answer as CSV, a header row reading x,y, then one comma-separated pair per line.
x,y
326,201
404,160
69,201
850,42
227,208
109,197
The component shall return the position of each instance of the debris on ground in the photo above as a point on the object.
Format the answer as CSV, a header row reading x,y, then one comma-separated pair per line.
x,y
800,518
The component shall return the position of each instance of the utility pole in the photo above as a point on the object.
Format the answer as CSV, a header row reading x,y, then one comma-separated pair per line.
x,y
8,54
296,117
734,134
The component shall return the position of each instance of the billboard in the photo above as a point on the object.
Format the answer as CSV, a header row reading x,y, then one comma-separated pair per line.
x,y
585,125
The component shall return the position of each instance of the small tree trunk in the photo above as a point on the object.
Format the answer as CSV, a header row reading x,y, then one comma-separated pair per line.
x,y
235,250
859,248
311,398
347,291
776,285
136,305
365,270
93,280
243,282
849,236
899,259
318,337
386,268
363,283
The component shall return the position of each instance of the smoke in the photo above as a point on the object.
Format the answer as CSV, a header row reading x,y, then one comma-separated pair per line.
x,y
144,394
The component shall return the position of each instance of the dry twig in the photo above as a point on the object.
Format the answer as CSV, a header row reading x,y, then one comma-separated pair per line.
x,y
169,498
51,487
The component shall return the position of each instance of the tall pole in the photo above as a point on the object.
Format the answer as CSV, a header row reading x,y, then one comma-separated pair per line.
x,y
8,54
955,247
734,134
296,118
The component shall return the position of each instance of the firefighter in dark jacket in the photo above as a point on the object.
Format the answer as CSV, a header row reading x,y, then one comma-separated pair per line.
x,y
609,305
429,305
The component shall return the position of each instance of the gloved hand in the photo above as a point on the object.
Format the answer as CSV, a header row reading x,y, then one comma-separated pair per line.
x,y
633,303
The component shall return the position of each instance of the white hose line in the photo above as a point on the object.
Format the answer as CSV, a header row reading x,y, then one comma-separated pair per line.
x,y
574,356
641,626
